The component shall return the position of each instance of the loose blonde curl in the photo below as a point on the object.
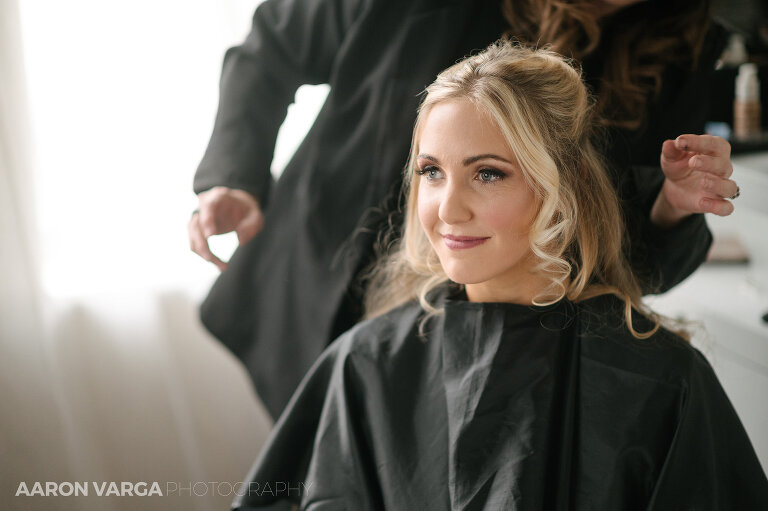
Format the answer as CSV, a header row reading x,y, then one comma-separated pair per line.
x,y
540,104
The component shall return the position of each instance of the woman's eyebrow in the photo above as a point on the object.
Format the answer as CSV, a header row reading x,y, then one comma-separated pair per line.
x,y
470,160
473,159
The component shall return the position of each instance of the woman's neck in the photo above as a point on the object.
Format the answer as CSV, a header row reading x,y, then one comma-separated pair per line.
x,y
522,291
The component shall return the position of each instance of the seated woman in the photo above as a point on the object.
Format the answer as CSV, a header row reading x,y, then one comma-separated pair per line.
x,y
509,362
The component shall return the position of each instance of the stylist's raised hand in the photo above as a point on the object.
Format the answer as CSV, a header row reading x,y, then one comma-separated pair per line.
x,y
221,210
697,169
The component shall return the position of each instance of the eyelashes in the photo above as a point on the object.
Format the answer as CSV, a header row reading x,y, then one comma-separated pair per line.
x,y
430,171
488,175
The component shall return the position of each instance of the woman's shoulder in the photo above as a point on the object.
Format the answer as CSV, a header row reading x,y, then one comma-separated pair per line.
x,y
606,339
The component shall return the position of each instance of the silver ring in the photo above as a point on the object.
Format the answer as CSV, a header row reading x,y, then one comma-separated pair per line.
x,y
735,195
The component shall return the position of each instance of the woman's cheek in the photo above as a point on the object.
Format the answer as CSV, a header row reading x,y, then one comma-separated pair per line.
x,y
500,216
428,210
512,214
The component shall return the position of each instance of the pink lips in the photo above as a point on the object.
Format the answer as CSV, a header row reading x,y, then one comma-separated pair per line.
x,y
462,242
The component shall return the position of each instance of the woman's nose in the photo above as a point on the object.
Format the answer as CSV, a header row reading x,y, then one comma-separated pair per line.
x,y
454,205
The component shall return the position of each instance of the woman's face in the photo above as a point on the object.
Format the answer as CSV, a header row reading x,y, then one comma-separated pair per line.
x,y
474,204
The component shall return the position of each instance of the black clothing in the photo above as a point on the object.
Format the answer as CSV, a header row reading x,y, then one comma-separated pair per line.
x,y
287,293
502,406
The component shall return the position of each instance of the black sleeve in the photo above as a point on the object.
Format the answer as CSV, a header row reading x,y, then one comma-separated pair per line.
x,y
711,463
666,256
291,43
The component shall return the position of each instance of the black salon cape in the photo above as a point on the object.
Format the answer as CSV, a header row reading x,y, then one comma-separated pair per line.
x,y
291,290
508,407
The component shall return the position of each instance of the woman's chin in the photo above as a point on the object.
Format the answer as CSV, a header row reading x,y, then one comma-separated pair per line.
x,y
465,277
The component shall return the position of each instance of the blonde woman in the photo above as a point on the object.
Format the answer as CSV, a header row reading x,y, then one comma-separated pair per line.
x,y
508,362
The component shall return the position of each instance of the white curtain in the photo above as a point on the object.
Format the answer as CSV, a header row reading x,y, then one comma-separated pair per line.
x,y
105,372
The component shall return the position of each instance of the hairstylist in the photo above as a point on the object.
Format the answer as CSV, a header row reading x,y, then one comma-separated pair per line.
x,y
291,287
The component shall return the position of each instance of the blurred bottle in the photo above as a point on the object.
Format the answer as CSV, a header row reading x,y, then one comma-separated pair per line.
x,y
746,105
735,52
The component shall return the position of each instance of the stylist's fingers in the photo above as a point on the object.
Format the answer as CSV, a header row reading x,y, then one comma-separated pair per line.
x,y
722,188
704,144
224,210
671,153
674,161
198,243
697,170
208,218
699,192
250,226
717,206
717,165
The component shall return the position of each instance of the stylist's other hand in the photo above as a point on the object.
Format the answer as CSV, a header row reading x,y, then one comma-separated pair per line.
x,y
222,210
697,169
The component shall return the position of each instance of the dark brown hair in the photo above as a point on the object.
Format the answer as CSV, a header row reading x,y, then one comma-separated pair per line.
x,y
639,41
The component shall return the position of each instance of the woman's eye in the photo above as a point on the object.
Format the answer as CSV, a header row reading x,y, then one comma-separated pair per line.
x,y
490,175
431,173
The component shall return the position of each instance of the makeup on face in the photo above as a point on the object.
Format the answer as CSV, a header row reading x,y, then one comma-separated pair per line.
x,y
474,202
